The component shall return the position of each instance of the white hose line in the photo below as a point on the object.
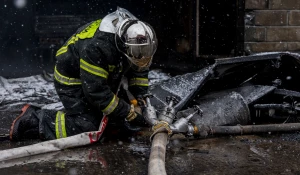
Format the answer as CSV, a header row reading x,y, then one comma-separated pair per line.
x,y
157,156
27,160
82,139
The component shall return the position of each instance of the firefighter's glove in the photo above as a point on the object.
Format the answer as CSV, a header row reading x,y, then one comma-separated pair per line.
x,y
135,116
161,126
129,125
132,114
141,102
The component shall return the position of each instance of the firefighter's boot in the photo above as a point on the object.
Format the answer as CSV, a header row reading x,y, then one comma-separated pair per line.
x,y
26,125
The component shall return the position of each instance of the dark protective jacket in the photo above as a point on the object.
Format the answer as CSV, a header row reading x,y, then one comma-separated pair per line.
x,y
90,59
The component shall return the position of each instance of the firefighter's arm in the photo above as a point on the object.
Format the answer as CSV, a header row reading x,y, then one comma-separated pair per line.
x,y
138,86
138,82
94,74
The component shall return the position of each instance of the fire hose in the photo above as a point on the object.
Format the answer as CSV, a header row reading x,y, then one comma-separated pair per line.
x,y
82,139
160,137
161,133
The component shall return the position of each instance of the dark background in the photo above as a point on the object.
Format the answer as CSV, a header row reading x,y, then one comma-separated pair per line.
x,y
30,36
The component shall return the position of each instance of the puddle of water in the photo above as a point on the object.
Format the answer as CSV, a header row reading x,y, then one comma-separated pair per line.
x,y
110,158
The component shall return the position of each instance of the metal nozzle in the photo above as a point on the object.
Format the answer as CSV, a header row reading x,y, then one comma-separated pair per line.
x,y
171,100
147,98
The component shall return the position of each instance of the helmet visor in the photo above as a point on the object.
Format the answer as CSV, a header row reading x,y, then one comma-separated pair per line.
x,y
139,42
140,50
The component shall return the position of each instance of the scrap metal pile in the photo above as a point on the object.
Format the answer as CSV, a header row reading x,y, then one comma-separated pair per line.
x,y
258,89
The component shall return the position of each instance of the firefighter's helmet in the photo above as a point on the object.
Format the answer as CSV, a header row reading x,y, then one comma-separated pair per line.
x,y
138,42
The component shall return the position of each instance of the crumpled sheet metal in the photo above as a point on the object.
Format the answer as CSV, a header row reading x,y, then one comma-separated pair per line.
x,y
185,87
182,87
222,108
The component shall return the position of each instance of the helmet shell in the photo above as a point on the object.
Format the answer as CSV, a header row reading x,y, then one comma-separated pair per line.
x,y
111,22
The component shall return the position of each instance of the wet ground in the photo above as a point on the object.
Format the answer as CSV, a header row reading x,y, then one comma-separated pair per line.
x,y
271,153
108,158
264,154
252,154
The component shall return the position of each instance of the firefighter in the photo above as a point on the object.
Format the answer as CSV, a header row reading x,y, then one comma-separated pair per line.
x,y
87,76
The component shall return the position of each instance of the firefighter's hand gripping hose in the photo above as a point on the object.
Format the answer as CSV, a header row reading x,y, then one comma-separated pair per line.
x,y
132,114
134,120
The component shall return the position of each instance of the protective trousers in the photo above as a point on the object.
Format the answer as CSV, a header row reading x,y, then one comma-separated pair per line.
x,y
78,115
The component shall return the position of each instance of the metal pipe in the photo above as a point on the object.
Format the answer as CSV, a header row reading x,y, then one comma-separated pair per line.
x,y
150,115
150,112
182,125
248,129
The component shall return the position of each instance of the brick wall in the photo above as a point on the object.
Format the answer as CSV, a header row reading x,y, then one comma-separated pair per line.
x,y
272,25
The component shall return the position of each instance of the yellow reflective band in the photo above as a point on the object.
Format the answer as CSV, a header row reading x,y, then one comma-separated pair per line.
x,y
93,69
111,106
65,48
111,68
62,50
65,80
60,125
139,82
88,32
